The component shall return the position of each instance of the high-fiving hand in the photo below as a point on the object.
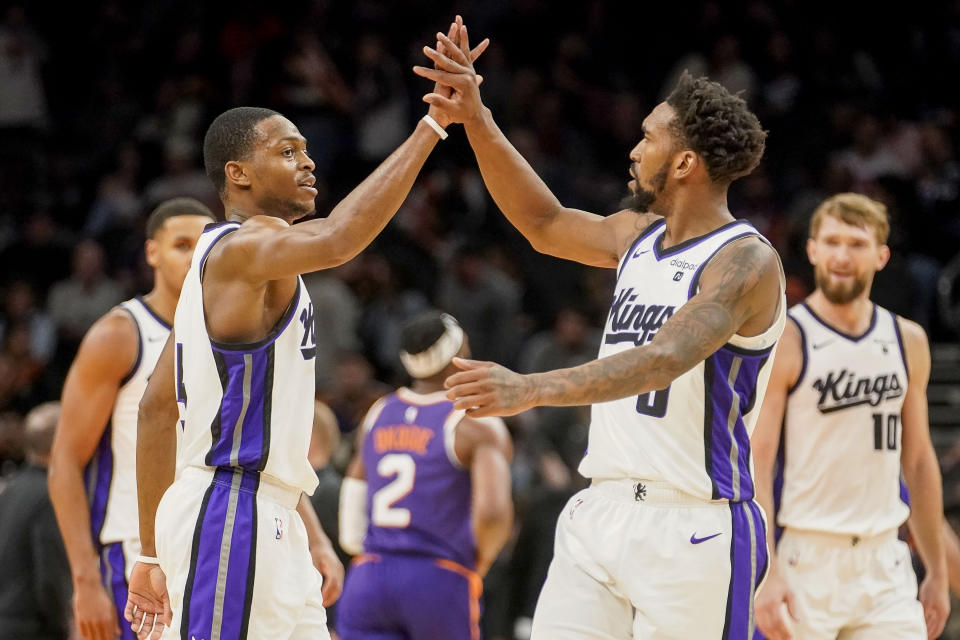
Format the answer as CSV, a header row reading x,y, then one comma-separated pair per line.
x,y
455,97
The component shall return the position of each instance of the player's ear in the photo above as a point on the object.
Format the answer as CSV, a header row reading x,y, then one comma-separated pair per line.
x,y
151,250
812,251
236,174
883,256
685,163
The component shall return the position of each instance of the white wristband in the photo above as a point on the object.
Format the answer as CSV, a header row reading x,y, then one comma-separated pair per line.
x,y
147,560
436,127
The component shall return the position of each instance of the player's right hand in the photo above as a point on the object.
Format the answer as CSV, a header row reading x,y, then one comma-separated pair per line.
x,y
774,607
440,89
93,611
148,605
454,69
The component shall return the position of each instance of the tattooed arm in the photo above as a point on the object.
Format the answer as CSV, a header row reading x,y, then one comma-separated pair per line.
x,y
739,293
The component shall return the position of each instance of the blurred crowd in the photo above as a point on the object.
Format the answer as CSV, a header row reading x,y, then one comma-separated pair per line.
x,y
103,107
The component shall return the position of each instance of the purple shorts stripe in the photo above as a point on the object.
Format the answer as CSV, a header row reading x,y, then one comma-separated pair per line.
x,y
113,573
222,564
748,564
97,478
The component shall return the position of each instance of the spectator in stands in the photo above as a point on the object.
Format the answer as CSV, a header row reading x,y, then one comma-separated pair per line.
x,y
35,592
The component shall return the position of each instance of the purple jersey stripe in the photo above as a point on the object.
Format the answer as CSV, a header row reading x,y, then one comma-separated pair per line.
x,y
730,380
98,476
242,407
747,567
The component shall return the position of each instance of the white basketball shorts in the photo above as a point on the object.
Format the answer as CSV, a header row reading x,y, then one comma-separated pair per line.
x,y
641,561
235,553
851,588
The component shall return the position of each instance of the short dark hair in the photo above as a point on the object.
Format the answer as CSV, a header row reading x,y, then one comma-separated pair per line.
x,y
175,207
231,136
421,332
718,126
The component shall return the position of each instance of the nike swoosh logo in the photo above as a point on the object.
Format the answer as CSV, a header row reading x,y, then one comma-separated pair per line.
x,y
640,253
821,345
695,540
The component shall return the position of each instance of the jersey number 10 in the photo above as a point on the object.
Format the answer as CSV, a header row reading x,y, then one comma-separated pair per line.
x,y
886,438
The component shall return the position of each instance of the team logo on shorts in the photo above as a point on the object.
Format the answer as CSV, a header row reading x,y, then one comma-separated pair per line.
x,y
639,492
279,525
574,507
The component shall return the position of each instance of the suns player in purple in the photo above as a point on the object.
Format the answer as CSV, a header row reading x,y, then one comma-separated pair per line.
x,y
426,503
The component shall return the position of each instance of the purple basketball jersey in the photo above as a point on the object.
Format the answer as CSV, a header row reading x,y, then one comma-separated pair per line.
x,y
418,496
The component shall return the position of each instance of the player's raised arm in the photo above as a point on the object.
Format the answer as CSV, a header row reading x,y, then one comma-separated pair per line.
x,y
523,197
272,249
106,355
764,444
740,292
921,472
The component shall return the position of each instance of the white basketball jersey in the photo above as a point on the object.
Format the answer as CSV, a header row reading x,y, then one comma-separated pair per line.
x,y
111,479
841,433
245,406
695,434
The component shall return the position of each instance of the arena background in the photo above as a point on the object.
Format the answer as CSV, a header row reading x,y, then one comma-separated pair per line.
x,y
103,107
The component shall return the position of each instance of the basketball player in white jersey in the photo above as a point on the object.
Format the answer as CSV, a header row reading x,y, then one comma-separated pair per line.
x,y
92,477
667,541
846,406
225,554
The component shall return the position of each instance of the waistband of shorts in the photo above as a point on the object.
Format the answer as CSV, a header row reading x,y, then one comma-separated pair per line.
x,y
841,540
650,492
267,487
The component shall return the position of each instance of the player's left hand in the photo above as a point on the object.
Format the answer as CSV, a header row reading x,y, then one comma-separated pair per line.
x,y
328,564
935,599
488,389
454,36
148,605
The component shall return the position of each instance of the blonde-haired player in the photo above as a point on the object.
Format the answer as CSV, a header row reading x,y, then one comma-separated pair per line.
x,y
846,406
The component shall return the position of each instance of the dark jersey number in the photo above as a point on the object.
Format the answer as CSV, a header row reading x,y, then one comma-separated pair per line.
x,y
886,430
653,403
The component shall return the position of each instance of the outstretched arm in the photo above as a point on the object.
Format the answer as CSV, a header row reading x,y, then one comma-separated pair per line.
x,y
740,285
518,191
274,250
921,472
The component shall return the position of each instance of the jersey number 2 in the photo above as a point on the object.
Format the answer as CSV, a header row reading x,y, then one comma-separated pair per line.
x,y
384,514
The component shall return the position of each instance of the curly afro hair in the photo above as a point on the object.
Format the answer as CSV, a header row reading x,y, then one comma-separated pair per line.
x,y
718,126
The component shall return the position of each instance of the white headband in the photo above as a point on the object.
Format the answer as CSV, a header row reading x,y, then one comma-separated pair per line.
x,y
433,359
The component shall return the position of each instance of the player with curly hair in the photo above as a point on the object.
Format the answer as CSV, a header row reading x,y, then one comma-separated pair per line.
x,y
667,541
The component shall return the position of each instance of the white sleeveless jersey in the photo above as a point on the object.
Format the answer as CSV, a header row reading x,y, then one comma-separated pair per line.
x,y
245,406
110,478
841,440
695,434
